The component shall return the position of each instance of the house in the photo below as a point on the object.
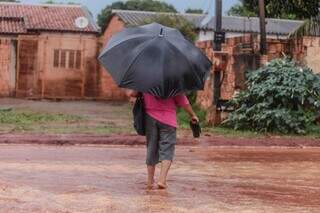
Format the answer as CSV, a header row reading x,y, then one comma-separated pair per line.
x,y
48,51
239,53
232,25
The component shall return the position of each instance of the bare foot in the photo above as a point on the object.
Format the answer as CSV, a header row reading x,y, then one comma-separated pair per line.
x,y
162,185
150,185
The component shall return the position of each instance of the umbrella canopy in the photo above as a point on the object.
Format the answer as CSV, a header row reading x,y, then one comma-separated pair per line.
x,y
155,59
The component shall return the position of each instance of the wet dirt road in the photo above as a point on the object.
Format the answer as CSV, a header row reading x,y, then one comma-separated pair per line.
x,y
37,178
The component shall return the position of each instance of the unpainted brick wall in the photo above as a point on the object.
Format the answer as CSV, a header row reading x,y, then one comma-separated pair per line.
x,y
108,88
5,54
307,50
48,81
238,61
27,67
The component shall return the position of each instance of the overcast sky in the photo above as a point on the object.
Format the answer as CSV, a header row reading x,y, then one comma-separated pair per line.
x,y
95,6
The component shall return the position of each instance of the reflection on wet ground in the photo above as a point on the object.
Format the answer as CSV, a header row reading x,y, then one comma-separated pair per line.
x,y
203,179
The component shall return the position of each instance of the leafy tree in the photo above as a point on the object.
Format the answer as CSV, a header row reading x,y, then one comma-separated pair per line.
x,y
310,27
281,97
142,5
50,2
178,22
293,9
73,3
240,10
197,11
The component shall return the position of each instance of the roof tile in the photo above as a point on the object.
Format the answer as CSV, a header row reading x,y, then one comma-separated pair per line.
x,y
48,17
12,26
229,23
132,17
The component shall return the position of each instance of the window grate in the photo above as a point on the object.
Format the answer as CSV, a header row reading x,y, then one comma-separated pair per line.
x,y
67,59
56,58
78,59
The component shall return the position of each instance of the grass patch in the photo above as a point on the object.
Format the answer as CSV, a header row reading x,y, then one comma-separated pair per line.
x,y
314,131
184,119
13,117
232,133
97,130
15,121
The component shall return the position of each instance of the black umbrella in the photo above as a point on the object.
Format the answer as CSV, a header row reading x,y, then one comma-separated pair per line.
x,y
155,59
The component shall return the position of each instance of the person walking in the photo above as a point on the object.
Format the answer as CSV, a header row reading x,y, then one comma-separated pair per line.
x,y
161,63
161,134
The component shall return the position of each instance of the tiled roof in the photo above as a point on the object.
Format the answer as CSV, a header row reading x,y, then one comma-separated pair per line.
x,y
132,17
252,24
229,23
47,17
12,26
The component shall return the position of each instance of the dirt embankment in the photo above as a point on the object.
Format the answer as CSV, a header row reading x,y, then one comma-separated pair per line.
x,y
127,139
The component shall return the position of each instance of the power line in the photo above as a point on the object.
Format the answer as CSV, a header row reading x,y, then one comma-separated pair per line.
x,y
208,12
204,6
210,6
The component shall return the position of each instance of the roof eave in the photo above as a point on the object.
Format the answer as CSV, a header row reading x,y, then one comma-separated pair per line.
x,y
12,33
62,31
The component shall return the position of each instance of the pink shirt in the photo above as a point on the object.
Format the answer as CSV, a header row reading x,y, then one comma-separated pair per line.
x,y
164,110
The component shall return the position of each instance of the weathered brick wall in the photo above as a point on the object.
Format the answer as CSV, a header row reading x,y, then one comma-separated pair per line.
x,y
49,81
240,54
108,88
307,50
27,67
235,61
278,48
5,56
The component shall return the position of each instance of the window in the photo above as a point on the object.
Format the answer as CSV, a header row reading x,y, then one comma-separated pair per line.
x,y
71,59
67,59
56,58
78,59
63,58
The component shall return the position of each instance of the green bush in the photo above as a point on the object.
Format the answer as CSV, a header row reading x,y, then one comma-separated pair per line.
x,y
281,97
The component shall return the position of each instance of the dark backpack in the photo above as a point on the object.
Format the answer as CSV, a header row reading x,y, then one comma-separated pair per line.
x,y
139,116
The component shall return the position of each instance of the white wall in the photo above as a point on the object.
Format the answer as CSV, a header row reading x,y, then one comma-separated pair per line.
x,y
208,35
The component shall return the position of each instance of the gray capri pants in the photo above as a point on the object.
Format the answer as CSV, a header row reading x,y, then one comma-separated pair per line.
x,y
161,141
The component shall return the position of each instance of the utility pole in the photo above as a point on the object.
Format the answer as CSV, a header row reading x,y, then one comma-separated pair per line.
x,y
218,25
263,36
219,38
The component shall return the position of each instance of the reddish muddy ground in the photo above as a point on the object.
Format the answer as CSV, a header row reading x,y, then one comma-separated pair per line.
x,y
41,178
132,139
259,174
105,122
